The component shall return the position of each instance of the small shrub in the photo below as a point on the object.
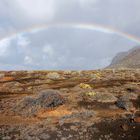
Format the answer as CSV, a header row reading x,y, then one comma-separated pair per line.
x,y
29,106
49,98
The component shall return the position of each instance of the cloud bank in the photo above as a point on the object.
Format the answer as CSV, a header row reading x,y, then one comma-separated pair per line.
x,y
65,47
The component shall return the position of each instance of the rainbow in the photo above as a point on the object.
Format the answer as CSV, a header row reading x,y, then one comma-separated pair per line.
x,y
85,26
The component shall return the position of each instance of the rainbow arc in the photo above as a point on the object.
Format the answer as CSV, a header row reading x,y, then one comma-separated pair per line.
x,y
85,26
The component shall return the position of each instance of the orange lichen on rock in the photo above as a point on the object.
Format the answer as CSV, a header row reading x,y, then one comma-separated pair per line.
x,y
59,112
7,78
137,120
15,120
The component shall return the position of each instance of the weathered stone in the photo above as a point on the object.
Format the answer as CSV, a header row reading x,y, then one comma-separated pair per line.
x,y
67,72
124,103
53,76
44,136
2,75
132,96
137,117
125,127
99,97
105,98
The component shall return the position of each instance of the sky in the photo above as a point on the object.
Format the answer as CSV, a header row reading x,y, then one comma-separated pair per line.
x,y
66,35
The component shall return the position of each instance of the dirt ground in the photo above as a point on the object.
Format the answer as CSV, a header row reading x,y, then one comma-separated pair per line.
x,y
70,105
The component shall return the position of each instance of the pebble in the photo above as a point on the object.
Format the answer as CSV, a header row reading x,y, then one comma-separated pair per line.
x,y
44,136
125,127
63,138
6,138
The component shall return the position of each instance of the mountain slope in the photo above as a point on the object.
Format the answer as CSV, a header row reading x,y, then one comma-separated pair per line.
x,y
130,59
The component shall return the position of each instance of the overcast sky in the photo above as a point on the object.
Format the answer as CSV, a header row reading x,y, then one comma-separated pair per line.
x,y
64,47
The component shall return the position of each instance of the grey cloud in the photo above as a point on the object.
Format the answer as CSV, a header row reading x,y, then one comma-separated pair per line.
x,y
58,49
65,48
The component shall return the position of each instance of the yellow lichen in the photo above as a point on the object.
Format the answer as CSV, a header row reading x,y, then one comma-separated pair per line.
x,y
98,75
91,93
85,86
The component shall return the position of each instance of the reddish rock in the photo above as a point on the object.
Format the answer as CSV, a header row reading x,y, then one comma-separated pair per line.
x,y
125,127
8,78
137,119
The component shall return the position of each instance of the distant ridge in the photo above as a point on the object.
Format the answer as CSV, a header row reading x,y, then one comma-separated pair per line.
x,y
130,59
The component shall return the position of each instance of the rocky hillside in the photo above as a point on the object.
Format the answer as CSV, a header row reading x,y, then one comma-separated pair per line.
x,y
70,105
130,59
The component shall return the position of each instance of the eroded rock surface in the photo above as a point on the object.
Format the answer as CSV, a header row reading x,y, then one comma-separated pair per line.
x,y
100,105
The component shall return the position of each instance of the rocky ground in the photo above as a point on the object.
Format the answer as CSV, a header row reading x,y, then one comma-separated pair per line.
x,y
70,105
